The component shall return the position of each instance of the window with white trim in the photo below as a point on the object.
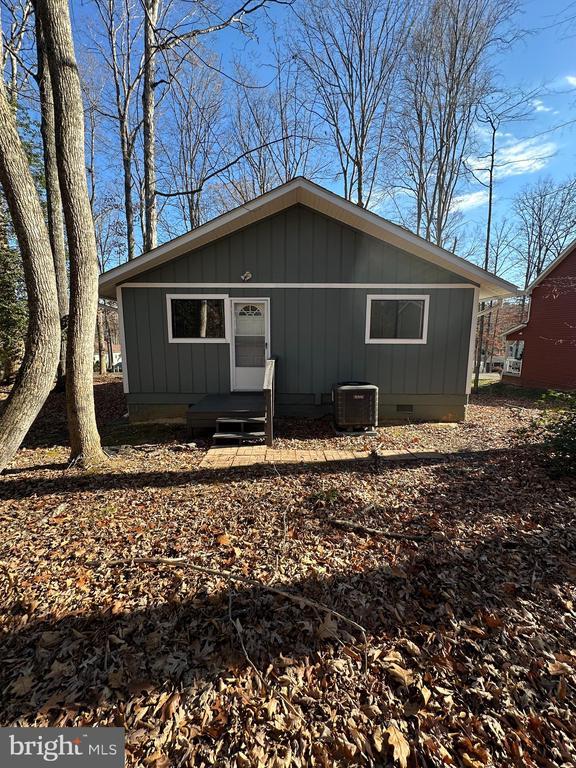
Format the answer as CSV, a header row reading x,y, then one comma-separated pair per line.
x,y
199,319
397,319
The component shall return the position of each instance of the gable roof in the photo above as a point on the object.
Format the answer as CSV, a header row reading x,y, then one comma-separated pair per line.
x,y
305,192
552,266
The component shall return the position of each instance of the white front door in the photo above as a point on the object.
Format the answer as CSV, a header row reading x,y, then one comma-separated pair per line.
x,y
249,343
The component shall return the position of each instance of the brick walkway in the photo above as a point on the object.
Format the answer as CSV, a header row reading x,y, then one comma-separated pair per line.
x,y
245,456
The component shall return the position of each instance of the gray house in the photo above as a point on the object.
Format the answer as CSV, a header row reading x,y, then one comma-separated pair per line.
x,y
328,290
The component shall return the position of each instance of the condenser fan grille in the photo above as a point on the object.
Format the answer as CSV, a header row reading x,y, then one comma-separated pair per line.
x,y
355,405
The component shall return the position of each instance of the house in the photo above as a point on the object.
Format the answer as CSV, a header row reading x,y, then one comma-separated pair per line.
x,y
113,356
541,352
330,291
498,317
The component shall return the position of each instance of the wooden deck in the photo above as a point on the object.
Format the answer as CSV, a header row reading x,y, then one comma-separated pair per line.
x,y
203,414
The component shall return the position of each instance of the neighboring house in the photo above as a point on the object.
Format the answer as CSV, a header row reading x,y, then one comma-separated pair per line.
x,y
497,319
116,355
541,352
332,291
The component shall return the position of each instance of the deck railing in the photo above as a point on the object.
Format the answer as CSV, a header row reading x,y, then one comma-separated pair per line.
x,y
513,366
268,387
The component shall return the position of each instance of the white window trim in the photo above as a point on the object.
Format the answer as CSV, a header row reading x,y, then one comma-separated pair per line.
x,y
354,286
395,297
227,323
125,384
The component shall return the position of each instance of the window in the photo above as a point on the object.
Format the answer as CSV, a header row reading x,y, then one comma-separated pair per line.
x,y
199,319
249,310
397,319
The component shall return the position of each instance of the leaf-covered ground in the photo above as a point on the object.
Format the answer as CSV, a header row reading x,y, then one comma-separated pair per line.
x,y
468,656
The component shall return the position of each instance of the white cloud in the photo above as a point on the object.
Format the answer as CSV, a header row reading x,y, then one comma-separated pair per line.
x,y
539,105
571,80
526,156
515,158
469,201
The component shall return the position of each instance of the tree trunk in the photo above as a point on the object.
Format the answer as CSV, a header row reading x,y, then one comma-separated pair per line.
x,y
148,107
486,257
101,344
108,335
36,374
69,120
53,197
128,204
203,319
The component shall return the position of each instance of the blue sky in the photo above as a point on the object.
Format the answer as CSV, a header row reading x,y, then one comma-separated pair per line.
x,y
544,59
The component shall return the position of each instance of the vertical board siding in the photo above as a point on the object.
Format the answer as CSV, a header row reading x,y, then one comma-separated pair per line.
x,y
318,337
299,245
317,334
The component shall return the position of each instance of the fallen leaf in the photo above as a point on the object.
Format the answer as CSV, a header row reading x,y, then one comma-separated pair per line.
x,y
399,744
400,674
49,639
328,628
378,738
558,668
409,646
115,679
471,762
22,685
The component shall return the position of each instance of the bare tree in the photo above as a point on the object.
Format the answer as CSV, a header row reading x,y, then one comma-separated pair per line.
x,y
91,112
276,120
504,315
69,122
546,215
53,196
166,33
110,240
191,145
503,257
254,124
297,125
20,15
351,51
146,45
151,9
36,375
117,42
498,109
446,79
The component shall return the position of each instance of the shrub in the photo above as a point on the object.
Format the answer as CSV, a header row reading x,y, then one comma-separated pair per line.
x,y
555,430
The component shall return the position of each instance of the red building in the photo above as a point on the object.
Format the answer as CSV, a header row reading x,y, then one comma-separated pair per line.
x,y
541,352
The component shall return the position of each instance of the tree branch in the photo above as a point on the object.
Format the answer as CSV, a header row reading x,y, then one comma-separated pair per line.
x,y
226,167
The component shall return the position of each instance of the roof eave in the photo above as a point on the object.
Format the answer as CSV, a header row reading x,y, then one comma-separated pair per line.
x,y
552,266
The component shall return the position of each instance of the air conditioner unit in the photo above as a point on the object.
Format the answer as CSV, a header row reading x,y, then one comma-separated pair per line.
x,y
355,406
